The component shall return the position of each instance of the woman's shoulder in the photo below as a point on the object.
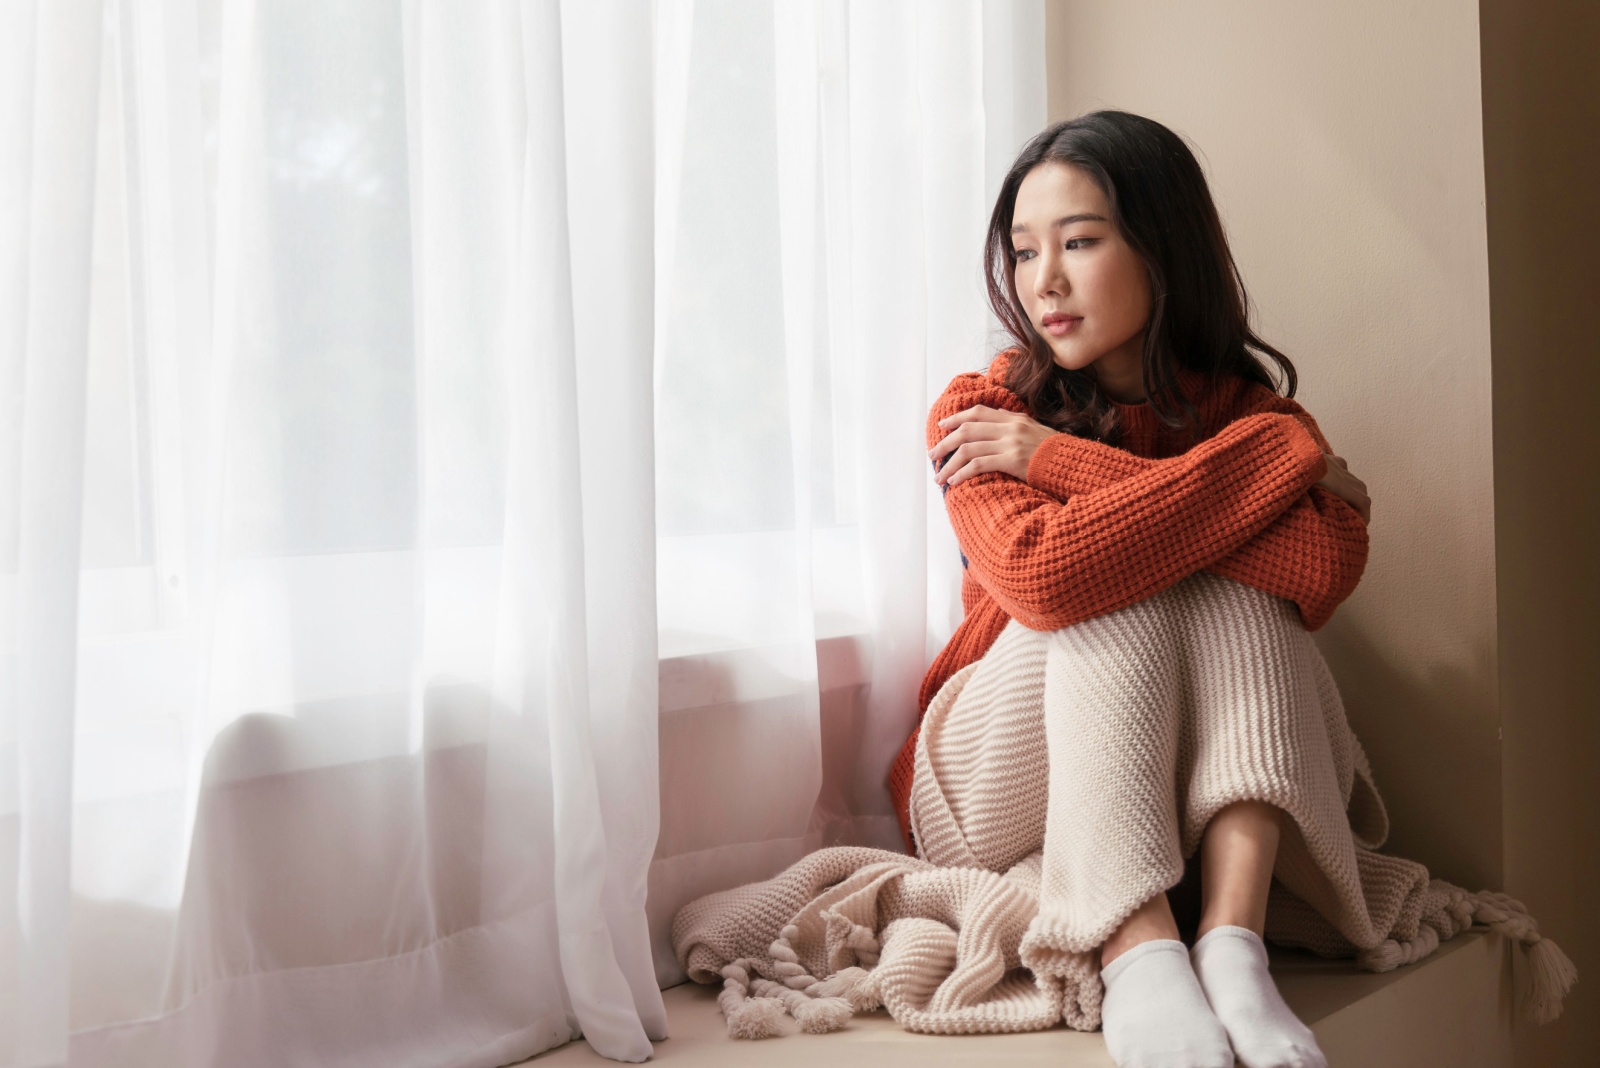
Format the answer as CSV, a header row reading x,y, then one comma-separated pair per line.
x,y
980,387
1000,366
1248,397
972,388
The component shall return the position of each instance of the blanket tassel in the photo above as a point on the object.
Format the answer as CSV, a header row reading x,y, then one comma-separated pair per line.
x,y
1547,974
748,1017
852,984
816,1014
755,1005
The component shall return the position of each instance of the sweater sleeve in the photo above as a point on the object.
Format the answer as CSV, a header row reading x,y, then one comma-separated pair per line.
x,y
1313,553
1051,562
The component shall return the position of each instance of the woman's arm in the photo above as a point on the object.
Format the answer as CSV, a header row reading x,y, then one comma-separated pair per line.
x,y
1050,563
1313,554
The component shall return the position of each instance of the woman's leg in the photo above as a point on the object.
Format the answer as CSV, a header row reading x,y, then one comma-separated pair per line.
x,y
1236,857
981,785
1255,729
1237,852
1151,920
1113,720
988,771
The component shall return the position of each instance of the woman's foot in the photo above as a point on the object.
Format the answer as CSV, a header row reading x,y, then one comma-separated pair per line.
x,y
1231,966
1155,1014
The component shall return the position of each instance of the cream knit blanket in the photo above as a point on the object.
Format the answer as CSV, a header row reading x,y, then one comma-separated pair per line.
x,y
1061,781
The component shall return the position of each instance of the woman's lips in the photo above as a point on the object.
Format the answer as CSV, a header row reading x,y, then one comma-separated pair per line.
x,y
1059,327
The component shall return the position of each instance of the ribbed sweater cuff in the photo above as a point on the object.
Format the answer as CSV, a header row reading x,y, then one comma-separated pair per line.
x,y
1306,450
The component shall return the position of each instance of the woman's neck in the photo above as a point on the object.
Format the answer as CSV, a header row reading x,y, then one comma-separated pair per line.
x,y
1120,372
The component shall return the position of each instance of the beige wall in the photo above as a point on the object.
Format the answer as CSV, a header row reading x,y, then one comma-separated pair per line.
x,y
1348,146
1541,121
1343,145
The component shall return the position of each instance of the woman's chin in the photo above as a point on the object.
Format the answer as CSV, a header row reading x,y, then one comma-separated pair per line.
x,y
1071,357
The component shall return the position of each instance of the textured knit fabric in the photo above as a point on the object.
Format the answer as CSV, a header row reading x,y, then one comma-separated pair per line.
x,y
1151,719
1096,527
1061,781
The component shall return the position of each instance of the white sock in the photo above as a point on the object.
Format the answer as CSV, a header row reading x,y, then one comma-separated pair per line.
x,y
1155,1015
1231,963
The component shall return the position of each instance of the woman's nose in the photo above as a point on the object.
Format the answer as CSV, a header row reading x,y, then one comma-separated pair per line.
x,y
1050,278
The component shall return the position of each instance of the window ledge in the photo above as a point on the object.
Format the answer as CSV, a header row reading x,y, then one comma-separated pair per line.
x,y
1450,1008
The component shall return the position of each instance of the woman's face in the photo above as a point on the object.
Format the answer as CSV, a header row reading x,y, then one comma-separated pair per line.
x,y
1084,289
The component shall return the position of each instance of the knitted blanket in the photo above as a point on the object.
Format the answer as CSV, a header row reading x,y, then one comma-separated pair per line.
x,y
1062,780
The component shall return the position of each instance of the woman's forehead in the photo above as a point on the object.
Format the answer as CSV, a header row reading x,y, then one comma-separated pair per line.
x,y
1057,194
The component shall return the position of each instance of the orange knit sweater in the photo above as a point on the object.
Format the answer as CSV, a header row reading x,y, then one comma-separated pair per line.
x,y
1095,527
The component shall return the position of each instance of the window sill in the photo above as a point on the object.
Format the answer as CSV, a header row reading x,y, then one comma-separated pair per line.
x,y
1449,1008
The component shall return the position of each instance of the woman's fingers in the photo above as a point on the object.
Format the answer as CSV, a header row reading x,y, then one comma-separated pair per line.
x,y
980,418
1347,487
959,464
967,469
1005,440
977,411
971,431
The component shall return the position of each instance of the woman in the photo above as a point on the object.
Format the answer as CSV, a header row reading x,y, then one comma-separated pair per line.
x,y
1149,530
1109,267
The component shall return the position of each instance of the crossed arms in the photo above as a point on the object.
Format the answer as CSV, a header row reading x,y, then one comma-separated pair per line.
x,y
1095,528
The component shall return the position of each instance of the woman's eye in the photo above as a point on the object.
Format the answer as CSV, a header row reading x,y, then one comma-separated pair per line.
x,y
1023,254
1079,242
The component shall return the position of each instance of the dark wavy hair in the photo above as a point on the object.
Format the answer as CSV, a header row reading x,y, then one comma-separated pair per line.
x,y
1199,311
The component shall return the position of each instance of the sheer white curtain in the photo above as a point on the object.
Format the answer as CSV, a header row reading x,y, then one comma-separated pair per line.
x,y
838,164
330,672
440,448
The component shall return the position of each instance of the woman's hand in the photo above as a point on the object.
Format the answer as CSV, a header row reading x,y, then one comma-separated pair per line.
x,y
982,439
1347,487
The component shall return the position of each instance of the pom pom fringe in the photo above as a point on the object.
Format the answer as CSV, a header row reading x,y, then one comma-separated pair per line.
x,y
817,1016
755,1004
854,985
748,1017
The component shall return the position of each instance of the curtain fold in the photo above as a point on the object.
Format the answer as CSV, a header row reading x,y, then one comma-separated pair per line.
x,y
461,496
49,139
607,440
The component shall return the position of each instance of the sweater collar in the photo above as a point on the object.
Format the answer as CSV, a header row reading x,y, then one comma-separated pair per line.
x,y
1140,417
1136,417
